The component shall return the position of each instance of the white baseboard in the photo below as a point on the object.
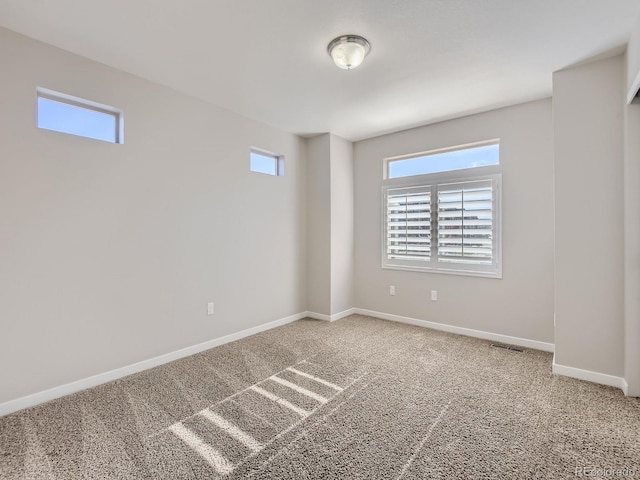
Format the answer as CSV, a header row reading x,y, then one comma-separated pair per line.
x,y
589,376
331,318
521,342
73,387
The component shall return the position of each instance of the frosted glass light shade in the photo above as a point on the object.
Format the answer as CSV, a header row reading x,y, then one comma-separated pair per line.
x,y
348,51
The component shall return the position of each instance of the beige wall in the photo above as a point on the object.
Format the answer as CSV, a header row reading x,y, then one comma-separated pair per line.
x,y
521,303
341,225
110,253
588,128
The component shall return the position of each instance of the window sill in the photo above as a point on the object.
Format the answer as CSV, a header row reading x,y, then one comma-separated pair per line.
x,y
464,273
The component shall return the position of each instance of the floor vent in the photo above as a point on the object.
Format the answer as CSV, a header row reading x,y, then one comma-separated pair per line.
x,y
507,347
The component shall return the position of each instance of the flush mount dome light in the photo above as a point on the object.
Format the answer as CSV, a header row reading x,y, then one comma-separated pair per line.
x,y
348,51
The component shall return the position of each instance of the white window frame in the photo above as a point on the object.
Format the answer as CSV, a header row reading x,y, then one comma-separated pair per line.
x,y
278,159
73,101
432,181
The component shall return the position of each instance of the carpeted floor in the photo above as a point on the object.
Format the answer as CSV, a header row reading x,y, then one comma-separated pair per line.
x,y
360,398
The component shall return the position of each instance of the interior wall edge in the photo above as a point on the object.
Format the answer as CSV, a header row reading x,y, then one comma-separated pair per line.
x,y
633,89
331,318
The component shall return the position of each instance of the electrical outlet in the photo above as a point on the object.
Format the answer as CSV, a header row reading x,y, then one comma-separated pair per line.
x,y
392,289
210,308
434,295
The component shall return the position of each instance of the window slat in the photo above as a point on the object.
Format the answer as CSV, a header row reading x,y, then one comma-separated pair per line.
x,y
409,215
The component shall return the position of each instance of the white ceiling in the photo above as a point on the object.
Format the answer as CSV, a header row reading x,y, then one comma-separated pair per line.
x,y
266,59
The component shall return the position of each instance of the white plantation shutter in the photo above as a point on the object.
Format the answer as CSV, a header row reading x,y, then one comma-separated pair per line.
x,y
448,227
408,220
465,222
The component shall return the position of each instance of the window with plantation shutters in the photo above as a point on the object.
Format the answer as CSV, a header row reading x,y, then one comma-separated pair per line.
x,y
446,226
408,233
465,222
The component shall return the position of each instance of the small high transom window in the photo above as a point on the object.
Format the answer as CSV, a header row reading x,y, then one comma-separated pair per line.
x,y
266,162
458,158
67,114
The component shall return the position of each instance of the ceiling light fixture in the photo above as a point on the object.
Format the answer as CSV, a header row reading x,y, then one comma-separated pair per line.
x,y
348,51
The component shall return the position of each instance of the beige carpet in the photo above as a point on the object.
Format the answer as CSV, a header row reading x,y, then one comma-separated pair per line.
x,y
360,398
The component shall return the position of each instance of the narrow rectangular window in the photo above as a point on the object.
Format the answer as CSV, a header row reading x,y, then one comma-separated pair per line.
x,y
66,114
474,155
265,162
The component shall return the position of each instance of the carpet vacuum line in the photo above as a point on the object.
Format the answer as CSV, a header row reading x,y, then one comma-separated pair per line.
x,y
215,458
423,441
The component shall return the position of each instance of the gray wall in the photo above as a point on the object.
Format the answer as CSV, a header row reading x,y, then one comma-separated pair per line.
x,y
632,218
319,224
341,225
521,303
109,253
330,224
632,78
588,128
632,249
